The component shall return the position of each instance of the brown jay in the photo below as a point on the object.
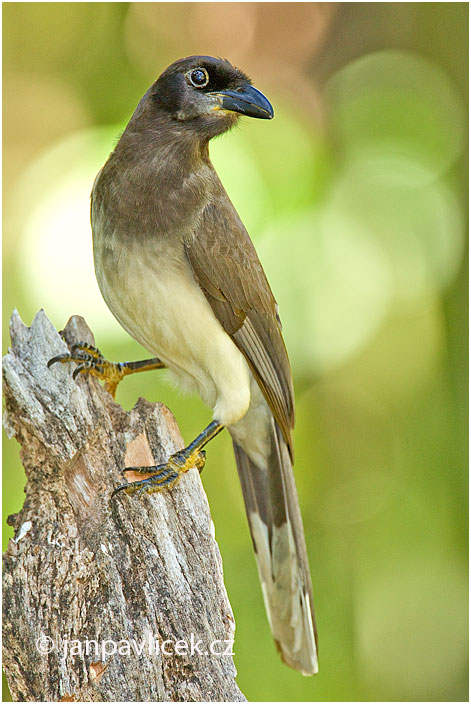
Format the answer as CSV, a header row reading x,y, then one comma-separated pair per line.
x,y
178,270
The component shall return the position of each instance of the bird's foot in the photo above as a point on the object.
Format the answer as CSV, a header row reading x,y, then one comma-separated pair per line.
x,y
163,476
90,361
169,473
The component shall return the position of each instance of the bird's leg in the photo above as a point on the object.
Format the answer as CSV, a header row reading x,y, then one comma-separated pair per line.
x,y
90,361
168,474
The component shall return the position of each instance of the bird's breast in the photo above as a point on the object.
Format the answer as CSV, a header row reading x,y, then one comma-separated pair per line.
x,y
147,286
151,290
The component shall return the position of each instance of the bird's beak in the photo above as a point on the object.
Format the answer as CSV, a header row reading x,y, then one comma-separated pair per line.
x,y
246,100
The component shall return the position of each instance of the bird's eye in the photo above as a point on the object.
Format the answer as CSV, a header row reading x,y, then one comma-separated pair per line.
x,y
198,77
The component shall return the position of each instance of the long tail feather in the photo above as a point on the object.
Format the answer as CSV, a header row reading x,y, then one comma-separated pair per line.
x,y
272,507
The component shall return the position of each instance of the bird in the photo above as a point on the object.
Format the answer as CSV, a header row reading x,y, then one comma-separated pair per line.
x,y
178,270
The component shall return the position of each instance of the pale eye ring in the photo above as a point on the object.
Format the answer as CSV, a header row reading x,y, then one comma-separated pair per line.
x,y
198,77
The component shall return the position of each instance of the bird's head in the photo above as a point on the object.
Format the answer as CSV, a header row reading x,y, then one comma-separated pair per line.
x,y
207,94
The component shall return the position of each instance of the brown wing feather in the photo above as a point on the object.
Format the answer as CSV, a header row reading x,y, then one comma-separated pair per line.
x,y
226,266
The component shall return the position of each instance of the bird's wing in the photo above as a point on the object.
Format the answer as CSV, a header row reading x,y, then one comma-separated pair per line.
x,y
226,267
228,270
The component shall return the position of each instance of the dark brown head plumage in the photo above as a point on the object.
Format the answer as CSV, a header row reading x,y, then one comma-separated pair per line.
x,y
203,95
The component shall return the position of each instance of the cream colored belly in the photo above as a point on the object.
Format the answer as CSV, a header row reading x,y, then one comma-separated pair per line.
x,y
167,313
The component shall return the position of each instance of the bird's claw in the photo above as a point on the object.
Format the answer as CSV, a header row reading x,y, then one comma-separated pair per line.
x,y
90,361
163,476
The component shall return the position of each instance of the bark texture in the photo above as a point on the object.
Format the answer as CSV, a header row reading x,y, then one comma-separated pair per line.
x,y
143,574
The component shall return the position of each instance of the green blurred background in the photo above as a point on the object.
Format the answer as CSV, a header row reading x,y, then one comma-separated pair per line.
x,y
355,196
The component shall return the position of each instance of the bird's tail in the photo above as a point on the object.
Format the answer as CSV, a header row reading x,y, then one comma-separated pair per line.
x,y
272,507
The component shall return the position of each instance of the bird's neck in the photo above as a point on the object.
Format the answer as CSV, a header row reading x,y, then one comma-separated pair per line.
x,y
162,164
163,144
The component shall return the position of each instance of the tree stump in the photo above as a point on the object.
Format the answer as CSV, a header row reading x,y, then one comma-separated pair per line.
x,y
119,600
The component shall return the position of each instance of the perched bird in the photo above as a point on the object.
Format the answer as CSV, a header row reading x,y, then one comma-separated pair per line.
x,y
178,270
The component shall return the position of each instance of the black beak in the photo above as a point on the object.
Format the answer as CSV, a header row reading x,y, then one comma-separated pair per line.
x,y
246,100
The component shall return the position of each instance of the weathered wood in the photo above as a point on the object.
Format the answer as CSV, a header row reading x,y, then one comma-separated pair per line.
x,y
83,568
